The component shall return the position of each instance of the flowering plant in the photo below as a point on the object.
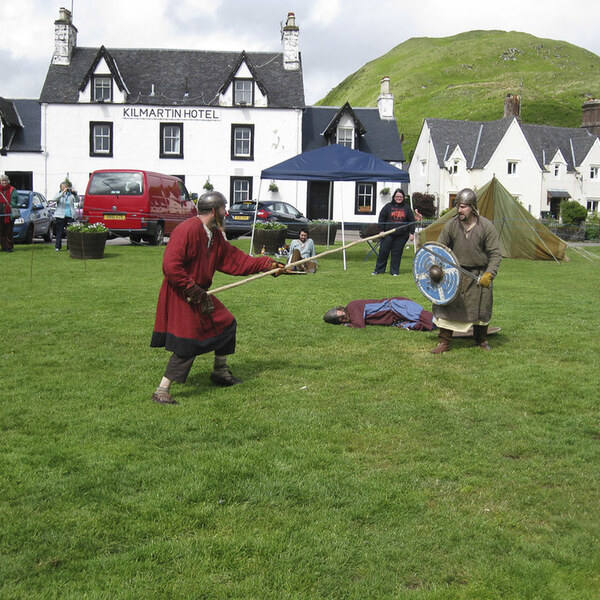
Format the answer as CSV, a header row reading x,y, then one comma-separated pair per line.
x,y
87,227
270,225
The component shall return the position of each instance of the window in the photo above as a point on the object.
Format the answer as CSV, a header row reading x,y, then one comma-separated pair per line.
x,y
101,139
512,167
594,172
243,92
345,137
102,88
423,167
592,205
454,168
171,140
242,142
241,189
556,170
365,199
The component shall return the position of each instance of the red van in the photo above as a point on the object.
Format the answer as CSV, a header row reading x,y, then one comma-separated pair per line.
x,y
139,204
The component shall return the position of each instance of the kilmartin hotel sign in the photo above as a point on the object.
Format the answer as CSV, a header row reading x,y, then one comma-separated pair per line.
x,y
166,114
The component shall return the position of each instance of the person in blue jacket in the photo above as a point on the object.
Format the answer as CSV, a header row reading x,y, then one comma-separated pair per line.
x,y
65,211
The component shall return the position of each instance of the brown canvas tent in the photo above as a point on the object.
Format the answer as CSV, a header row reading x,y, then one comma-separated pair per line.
x,y
521,235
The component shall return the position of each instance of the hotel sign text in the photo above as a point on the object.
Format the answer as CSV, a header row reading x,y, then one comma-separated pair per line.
x,y
180,114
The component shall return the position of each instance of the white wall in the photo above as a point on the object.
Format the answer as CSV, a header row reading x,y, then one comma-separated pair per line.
x,y
136,143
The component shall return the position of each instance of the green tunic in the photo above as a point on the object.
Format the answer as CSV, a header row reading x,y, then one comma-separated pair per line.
x,y
478,251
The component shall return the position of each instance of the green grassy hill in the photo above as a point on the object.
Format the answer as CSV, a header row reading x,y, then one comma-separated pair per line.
x,y
467,76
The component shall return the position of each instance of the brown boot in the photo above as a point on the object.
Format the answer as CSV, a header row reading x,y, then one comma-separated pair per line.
x,y
444,341
480,337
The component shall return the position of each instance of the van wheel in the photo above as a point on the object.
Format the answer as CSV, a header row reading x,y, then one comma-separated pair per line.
x,y
29,235
159,236
48,237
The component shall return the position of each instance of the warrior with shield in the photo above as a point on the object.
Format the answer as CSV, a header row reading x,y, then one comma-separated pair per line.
x,y
474,241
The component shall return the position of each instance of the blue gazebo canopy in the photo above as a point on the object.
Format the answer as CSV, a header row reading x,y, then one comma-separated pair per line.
x,y
335,163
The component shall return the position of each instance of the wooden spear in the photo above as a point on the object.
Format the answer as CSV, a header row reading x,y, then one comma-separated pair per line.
x,y
299,262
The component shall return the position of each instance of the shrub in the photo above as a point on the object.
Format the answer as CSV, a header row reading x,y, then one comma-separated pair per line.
x,y
572,213
592,227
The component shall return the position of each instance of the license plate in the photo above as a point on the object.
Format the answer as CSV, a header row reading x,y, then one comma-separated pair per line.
x,y
241,218
114,217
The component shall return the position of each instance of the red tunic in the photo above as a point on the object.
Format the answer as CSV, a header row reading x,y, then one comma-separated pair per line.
x,y
181,327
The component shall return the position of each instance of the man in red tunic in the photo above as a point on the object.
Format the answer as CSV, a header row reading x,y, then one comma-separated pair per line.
x,y
188,321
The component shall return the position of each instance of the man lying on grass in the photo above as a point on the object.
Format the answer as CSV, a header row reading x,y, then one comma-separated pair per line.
x,y
396,312
188,321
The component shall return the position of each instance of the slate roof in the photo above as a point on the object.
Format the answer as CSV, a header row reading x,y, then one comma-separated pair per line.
x,y
381,136
479,139
23,128
545,140
174,73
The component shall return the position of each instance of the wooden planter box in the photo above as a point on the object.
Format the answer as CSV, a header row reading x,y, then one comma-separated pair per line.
x,y
318,233
86,245
271,239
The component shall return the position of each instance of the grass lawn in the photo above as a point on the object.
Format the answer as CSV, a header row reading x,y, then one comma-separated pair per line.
x,y
350,464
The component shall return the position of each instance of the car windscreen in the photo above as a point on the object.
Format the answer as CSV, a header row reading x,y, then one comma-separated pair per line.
x,y
245,206
115,182
23,199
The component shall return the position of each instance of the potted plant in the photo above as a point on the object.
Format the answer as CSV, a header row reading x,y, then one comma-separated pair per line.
x,y
208,186
85,240
273,187
323,231
385,191
269,237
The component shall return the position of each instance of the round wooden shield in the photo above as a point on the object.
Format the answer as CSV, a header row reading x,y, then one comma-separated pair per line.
x,y
439,290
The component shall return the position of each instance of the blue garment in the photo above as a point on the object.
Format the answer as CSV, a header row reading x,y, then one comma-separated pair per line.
x,y
65,205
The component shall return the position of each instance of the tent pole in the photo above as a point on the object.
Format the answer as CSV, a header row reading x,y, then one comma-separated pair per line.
x,y
329,208
343,229
254,222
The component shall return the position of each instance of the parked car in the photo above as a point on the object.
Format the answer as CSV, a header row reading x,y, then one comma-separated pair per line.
x,y
139,204
241,215
36,218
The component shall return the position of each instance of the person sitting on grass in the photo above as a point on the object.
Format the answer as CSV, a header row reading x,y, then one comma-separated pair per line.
x,y
301,248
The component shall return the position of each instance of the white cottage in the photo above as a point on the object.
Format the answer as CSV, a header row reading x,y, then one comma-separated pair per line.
x,y
540,165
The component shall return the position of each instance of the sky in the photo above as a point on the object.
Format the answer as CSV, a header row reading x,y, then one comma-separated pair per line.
x,y
337,37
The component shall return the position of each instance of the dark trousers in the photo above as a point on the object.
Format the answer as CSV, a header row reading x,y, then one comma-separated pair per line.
x,y
394,245
61,225
6,235
178,367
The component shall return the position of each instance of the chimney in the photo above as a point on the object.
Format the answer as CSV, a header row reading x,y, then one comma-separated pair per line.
x,y
289,39
512,107
385,102
591,115
65,38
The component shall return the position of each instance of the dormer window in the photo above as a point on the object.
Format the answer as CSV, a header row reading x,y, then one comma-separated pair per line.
x,y
556,170
243,92
345,137
101,88
594,172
